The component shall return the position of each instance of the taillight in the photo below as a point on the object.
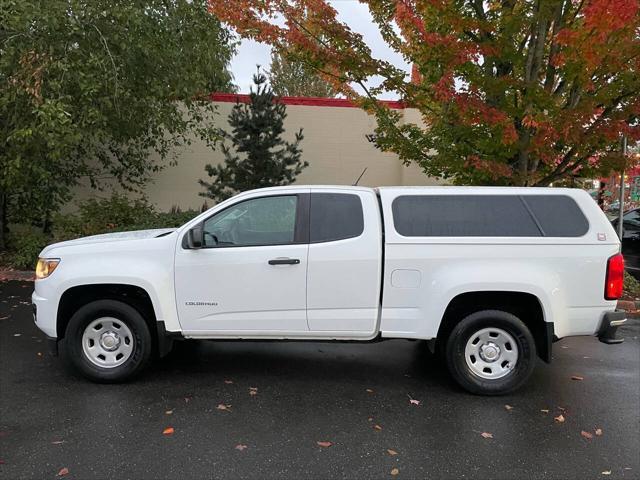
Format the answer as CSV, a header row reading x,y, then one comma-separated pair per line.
x,y
615,277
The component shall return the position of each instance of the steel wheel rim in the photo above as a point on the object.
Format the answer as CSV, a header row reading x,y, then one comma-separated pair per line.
x,y
107,342
491,353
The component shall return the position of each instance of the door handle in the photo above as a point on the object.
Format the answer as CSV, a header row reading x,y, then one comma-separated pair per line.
x,y
284,261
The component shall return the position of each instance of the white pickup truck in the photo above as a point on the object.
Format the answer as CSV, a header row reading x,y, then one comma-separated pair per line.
x,y
491,276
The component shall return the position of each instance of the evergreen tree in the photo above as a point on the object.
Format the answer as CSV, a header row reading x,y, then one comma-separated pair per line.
x,y
258,156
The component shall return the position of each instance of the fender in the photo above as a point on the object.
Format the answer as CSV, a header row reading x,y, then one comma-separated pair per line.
x,y
524,277
153,272
448,279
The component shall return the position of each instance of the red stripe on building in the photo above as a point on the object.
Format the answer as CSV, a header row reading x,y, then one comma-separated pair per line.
x,y
307,101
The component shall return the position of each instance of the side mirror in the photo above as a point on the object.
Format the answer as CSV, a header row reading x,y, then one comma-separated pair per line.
x,y
195,237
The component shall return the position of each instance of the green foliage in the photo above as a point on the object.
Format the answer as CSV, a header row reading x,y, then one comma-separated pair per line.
x,y
115,214
24,246
259,158
88,90
631,285
290,78
95,216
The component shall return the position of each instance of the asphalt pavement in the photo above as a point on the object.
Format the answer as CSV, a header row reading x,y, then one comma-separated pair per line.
x,y
259,409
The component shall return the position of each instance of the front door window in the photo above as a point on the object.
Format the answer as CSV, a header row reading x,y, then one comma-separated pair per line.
x,y
259,221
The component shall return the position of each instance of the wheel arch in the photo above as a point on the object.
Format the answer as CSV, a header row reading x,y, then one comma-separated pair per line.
x,y
524,305
79,295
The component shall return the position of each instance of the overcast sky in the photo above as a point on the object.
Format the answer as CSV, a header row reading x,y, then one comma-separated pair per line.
x,y
353,13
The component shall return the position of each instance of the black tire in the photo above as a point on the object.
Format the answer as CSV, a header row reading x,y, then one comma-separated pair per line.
x,y
470,325
73,353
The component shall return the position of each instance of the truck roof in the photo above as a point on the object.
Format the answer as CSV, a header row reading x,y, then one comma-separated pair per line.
x,y
446,189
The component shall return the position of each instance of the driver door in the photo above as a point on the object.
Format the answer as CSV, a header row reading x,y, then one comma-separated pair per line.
x,y
250,275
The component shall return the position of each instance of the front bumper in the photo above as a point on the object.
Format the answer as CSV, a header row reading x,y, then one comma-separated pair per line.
x,y
44,313
609,326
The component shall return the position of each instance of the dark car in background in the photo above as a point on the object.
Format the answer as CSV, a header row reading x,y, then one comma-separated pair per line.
x,y
630,240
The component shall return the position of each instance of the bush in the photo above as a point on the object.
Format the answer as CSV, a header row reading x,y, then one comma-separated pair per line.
x,y
99,215
631,285
23,246
116,214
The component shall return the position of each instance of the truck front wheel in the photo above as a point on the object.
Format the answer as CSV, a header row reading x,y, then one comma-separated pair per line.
x,y
490,352
107,341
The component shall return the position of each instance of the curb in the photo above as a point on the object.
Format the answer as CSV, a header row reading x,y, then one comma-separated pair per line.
x,y
8,275
629,306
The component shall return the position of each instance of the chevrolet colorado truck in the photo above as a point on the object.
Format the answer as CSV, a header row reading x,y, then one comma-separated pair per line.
x,y
490,276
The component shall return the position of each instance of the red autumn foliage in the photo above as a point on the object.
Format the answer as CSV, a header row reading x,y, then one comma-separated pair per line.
x,y
517,92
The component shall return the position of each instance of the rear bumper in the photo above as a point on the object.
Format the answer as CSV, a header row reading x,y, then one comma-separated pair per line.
x,y
609,326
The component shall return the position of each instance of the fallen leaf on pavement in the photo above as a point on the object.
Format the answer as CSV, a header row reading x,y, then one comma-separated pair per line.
x,y
228,382
370,419
187,399
324,444
377,427
39,354
413,401
559,418
545,410
606,472
222,406
369,390
508,407
253,390
391,452
394,471
168,412
486,435
57,442
63,471
577,377
586,435
240,447
599,432
168,431
17,334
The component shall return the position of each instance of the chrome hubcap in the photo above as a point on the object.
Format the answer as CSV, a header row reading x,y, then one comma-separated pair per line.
x,y
107,342
491,353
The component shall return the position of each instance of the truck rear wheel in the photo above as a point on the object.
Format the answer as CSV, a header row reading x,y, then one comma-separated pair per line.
x,y
490,352
107,341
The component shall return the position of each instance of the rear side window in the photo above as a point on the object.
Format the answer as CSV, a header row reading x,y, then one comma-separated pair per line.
x,y
335,216
558,215
488,216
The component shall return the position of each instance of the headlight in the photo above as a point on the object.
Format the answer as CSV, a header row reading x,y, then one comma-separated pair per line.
x,y
45,267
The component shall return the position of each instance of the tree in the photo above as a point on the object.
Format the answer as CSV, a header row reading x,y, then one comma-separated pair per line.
x,y
514,92
258,157
88,89
292,78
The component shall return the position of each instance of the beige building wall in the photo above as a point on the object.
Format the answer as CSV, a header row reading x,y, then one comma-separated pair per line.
x,y
335,145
